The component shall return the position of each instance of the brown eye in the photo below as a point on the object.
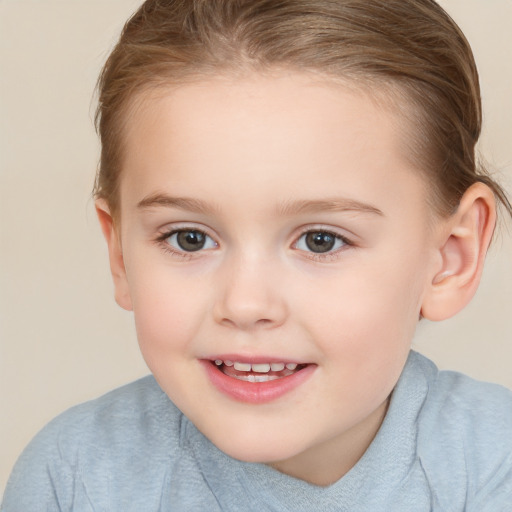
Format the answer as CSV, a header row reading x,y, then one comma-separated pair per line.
x,y
320,242
190,240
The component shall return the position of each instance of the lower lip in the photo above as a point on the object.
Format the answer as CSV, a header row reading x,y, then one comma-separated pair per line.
x,y
256,392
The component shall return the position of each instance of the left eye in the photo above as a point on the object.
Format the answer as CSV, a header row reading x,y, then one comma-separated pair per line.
x,y
190,240
320,242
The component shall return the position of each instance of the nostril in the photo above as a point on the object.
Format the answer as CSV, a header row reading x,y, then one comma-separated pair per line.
x,y
249,311
264,321
247,322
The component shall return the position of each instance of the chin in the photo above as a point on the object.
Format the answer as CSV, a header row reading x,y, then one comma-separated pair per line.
x,y
260,450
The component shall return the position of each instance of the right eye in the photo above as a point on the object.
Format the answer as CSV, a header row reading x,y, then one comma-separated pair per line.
x,y
189,240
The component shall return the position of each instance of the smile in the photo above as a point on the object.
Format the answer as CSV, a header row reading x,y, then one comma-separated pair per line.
x,y
256,382
257,372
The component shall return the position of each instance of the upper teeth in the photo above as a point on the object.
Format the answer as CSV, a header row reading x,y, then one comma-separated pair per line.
x,y
258,368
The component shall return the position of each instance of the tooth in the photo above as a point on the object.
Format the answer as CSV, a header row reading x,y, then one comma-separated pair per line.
x,y
261,378
218,362
228,363
291,366
242,367
261,368
277,367
251,377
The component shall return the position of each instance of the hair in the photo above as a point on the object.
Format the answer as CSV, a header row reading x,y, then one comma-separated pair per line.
x,y
409,49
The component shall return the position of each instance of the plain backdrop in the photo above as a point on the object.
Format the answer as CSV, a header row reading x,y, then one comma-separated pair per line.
x,y
63,339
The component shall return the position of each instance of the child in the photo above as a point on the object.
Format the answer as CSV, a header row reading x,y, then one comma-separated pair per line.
x,y
286,188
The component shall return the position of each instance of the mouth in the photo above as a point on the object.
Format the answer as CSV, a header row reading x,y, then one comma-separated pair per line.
x,y
257,372
258,381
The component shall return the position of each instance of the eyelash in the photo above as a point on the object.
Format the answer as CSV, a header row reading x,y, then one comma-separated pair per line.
x,y
162,241
330,255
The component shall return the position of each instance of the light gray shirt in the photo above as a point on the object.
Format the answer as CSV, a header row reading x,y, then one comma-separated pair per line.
x,y
445,445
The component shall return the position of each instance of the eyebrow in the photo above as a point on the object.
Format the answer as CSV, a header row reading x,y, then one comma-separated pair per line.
x,y
330,205
181,203
285,209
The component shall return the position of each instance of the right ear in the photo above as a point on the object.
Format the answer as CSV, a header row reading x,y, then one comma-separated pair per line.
x,y
115,253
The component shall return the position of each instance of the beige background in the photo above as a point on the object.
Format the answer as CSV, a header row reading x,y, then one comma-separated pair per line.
x,y
62,338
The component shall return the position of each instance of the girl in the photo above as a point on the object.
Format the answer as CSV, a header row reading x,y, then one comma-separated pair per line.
x,y
285,188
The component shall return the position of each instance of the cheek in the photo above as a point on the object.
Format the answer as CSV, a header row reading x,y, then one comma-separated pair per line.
x,y
367,310
364,334
168,311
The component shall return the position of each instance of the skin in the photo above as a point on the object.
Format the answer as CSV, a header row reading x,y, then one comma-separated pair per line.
x,y
262,160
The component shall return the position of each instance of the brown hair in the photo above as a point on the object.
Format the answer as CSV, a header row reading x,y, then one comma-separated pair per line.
x,y
410,48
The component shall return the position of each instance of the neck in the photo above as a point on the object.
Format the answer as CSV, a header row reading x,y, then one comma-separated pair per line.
x,y
327,463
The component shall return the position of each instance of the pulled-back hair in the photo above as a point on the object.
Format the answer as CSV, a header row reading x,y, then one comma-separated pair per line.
x,y
409,49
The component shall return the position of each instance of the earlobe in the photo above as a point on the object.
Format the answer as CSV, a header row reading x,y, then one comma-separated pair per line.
x,y
115,253
462,252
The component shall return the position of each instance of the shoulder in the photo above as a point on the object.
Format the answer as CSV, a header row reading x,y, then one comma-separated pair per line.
x,y
93,447
465,406
138,416
465,431
131,412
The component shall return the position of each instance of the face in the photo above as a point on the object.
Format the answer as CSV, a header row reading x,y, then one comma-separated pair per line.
x,y
276,248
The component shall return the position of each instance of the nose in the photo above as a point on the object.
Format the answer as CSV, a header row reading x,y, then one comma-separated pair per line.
x,y
250,296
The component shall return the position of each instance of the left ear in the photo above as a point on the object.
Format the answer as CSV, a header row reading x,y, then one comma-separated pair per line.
x,y
462,252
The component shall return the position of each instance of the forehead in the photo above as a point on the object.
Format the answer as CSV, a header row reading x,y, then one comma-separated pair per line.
x,y
292,130
284,101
